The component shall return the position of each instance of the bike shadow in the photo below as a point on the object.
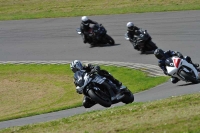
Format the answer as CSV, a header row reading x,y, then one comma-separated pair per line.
x,y
104,45
148,52
188,84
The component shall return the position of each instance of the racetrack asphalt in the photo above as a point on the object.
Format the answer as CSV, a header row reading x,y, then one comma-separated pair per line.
x,y
55,39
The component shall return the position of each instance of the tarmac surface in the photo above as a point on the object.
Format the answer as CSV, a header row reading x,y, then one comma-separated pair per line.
x,y
56,40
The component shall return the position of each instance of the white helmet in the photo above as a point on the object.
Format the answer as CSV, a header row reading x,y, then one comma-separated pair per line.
x,y
76,65
84,19
130,26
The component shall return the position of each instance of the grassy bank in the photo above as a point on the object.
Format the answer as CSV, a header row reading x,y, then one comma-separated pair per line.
x,y
174,115
28,90
29,9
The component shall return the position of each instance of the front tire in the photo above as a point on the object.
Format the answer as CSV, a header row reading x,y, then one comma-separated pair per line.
x,y
189,77
104,101
151,45
128,98
109,40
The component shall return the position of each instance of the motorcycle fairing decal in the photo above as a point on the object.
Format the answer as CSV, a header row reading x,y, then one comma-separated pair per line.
x,y
176,62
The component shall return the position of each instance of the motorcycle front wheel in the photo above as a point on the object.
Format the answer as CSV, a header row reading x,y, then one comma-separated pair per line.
x,y
151,46
109,40
128,98
102,100
189,77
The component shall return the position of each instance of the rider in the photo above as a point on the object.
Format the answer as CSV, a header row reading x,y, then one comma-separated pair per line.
x,y
85,27
76,65
131,31
163,55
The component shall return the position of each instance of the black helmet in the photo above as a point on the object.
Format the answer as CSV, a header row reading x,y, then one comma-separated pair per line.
x,y
159,53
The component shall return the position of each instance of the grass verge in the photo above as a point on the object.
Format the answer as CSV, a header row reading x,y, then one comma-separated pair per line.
x,y
28,90
31,9
173,115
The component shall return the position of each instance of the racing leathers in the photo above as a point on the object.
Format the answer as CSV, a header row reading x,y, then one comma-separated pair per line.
x,y
169,53
87,102
130,34
104,73
85,27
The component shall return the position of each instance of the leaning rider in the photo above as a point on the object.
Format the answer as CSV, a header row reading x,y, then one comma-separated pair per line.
x,y
85,27
76,65
163,55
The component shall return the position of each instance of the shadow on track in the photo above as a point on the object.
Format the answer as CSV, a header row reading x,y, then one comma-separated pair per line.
x,y
104,45
187,84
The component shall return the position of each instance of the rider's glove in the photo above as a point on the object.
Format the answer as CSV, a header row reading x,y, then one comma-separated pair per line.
x,y
79,90
97,68
179,54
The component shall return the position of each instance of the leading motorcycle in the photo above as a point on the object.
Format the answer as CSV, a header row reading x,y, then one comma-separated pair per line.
x,y
142,40
97,88
97,36
181,69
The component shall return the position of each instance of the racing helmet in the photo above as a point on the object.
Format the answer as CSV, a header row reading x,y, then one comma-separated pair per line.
x,y
76,65
130,26
159,53
84,20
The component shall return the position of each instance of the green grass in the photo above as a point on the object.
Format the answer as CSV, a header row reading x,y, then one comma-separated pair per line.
x,y
27,90
31,9
173,115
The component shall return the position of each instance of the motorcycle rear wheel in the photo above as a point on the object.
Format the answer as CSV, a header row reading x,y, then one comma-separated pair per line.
x,y
104,101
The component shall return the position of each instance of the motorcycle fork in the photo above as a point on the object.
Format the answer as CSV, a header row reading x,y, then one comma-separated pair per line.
x,y
110,90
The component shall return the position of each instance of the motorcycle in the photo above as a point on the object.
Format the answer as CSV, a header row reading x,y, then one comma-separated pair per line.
x,y
181,69
93,86
98,35
142,41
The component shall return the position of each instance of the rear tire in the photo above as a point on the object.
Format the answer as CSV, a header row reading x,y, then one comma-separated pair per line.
x,y
106,101
109,40
189,77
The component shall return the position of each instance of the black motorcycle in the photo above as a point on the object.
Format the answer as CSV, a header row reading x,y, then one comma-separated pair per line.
x,y
142,40
98,36
96,88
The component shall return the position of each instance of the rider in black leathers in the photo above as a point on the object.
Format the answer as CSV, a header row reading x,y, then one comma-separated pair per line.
x,y
76,65
163,55
85,27
131,31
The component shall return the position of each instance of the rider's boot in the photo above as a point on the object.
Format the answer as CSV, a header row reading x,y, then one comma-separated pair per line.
x,y
85,41
142,50
174,80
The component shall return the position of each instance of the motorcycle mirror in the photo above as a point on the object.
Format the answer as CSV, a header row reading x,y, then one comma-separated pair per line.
x,y
127,38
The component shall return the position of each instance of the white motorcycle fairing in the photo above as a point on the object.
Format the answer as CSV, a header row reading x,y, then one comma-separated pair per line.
x,y
173,68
